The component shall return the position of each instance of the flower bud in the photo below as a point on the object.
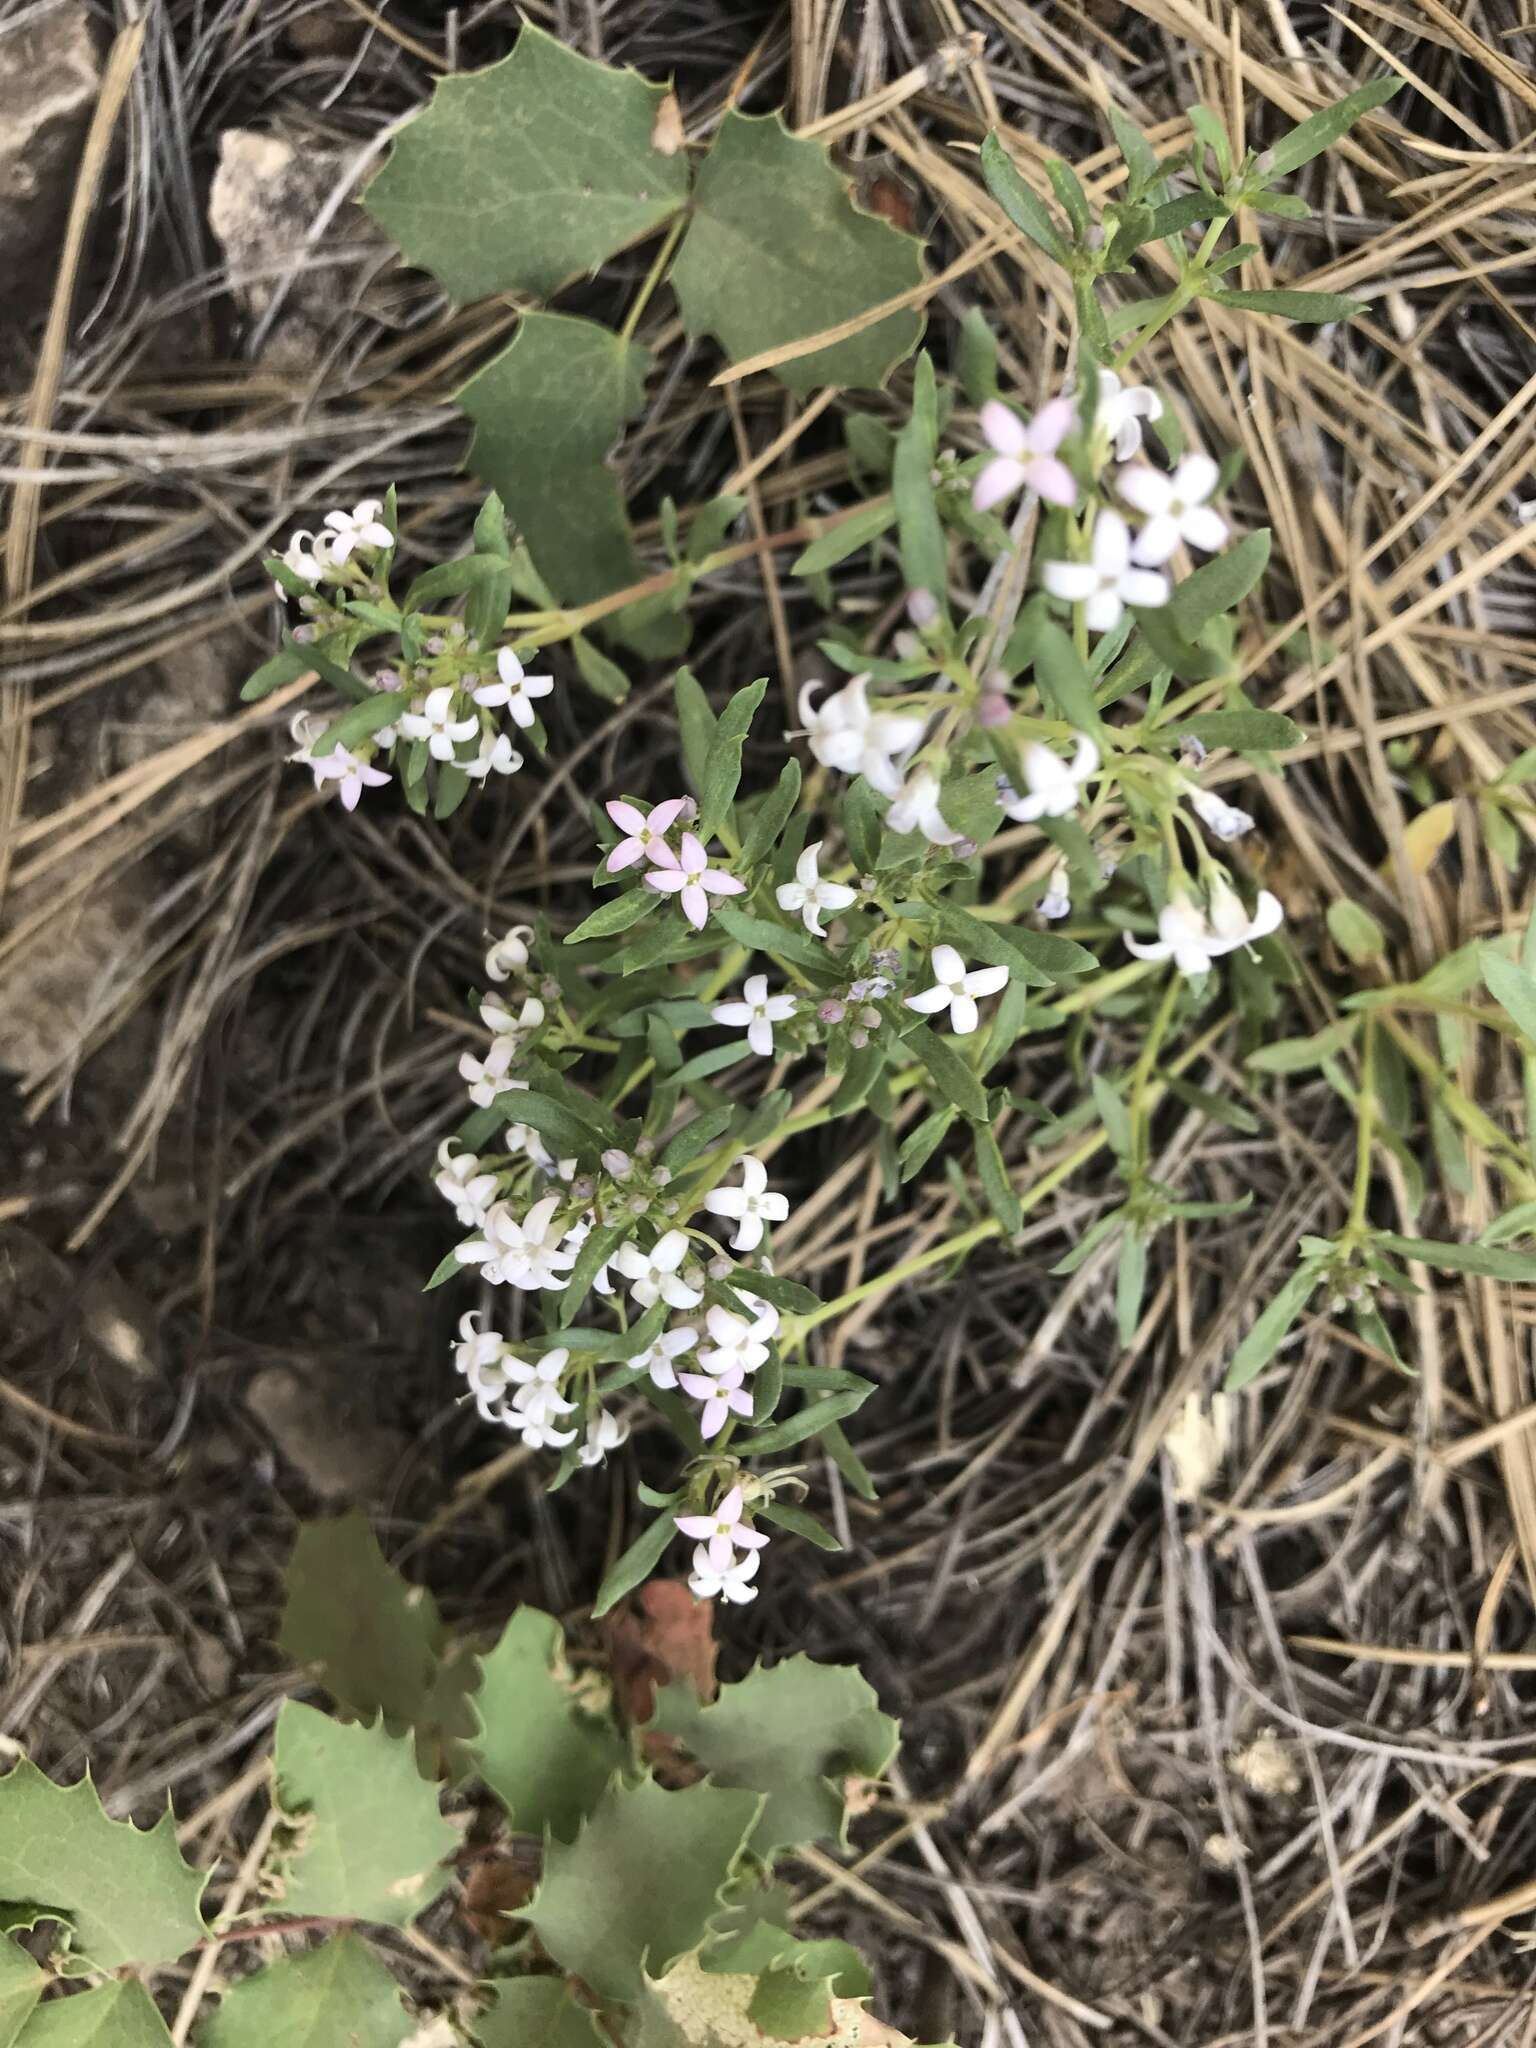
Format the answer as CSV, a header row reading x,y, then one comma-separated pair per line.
x,y
617,1164
907,647
719,1268
689,812
922,608
870,1019
386,679
858,1040
965,849
303,634
644,1147
831,1011
662,1177
583,1188
639,1204
993,710
888,960
434,643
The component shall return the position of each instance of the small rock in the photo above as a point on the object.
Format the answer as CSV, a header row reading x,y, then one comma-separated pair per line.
x,y
321,1426
50,74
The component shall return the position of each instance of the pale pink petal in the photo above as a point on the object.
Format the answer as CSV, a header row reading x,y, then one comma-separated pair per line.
x,y
695,904
1050,426
628,817
665,814
693,854
719,883
1051,479
1003,429
1001,477
666,879
624,855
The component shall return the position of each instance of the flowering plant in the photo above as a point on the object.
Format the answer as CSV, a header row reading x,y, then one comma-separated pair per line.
x,y
867,918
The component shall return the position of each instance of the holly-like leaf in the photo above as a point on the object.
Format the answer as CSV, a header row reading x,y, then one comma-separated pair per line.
x,y
545,1758
777,250
547,411
372,1842
531,172
638,1886
125,1891
378,1643
536,2012
337,1994
795,1733
118,2015
21,1986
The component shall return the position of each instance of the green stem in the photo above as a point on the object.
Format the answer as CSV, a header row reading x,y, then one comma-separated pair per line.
x,y
1141,1121
653,277
1365,1133
1178,298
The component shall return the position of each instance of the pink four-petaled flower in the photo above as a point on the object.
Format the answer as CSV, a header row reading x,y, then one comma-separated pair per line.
x,y
694,881
645,836
1025,455
722,1531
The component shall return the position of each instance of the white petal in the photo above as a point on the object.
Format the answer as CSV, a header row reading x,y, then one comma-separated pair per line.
x,y
1144,587
963,1015
1205,529
1111,543
1102,611
929,1002
1070,580
1145,487
985,981
1195,479
1157,541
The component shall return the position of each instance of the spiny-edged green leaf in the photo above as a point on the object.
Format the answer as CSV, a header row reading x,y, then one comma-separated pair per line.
x,y
546,1759
536,2012
528,173
1493,1262
1318,132
1027,212
841,541
547,410
639,1885
636,1564
722,764
120,2015
1272,1327
1512,988
378,1643
1219,584
124,1890
955,1080
617,914
336,1996
372,1842
923,555
777,250
1314,307
794,1732
793,1999
1252,732
21,1986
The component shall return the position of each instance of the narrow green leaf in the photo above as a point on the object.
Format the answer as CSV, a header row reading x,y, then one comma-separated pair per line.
x,y
1063,677
1220,584
1297,1055
1190,209
1512,987
995,1184
637,1564
798,1523
924,562
1272,1328
762,935
1140,157
1254,732
845,539
1018,201
1071,198
286,666
696,721
1130,1284
616,914
722,764
1312,307
1493,1262
1320,131
810,1422
771,815
954,1080
362,721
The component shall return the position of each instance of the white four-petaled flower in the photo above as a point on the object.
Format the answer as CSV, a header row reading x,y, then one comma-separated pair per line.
x,y
538,1400
1052,786
305,556
514,688
645,835
1106,583
915,808
360,528
759,1011
731,1582
737,1346
1025,454
496,1017
497,756
509,953
847,733
657,1359
810,895
350,775
1174,507
461,1181
605,1433
481,1356
1120,411
751,1205
436,724
488,1077
653,1276
722,1531
528,1252
1192,937
956,988
693,881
